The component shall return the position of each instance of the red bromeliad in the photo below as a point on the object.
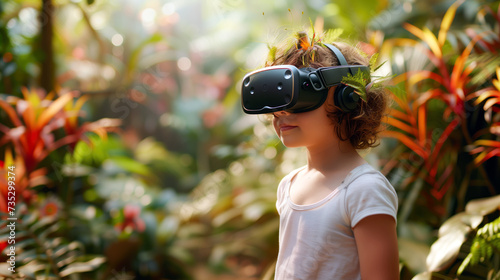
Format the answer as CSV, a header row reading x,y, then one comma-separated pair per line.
x,y
34,133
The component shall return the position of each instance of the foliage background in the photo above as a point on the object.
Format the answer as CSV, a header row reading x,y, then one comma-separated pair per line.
x,y
151,171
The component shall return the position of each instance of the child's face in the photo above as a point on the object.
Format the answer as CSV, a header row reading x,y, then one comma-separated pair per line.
x,y
306,129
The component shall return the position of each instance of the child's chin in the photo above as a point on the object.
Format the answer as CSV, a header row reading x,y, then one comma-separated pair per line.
x,y
291,144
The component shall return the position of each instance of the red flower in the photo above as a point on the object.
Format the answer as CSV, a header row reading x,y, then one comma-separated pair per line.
x,y
131,219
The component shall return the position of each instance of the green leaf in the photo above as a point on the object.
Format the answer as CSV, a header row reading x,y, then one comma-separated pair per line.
x,y
373,62
90,2
271,57
486,241
76,170
135,56
464,264
357,81
131,165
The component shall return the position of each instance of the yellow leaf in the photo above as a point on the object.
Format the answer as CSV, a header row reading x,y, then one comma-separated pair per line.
x,y
389,44
9,159
432,41
491,143
423,75
447,20
427,36
53,109
496,83
485,94
76,109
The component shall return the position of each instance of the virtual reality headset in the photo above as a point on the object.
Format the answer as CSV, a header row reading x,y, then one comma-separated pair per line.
x,y
296,90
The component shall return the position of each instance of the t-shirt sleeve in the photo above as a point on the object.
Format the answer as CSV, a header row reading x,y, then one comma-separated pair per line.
x,y
370,194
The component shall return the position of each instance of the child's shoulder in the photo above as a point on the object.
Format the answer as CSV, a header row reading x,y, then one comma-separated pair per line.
x,y
288,177
366,175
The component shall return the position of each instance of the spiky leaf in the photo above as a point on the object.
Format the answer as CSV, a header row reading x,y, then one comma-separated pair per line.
x,y
357,81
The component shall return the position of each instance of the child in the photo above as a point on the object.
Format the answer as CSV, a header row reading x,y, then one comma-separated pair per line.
x,y
337,213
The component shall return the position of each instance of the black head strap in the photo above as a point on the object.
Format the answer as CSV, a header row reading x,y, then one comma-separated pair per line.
x,y
337,53
332,76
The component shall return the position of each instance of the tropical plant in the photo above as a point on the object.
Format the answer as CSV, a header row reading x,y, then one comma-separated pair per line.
x,y
467,244
39,127
132,219
485,244
33,133
450,85
41,248
444,119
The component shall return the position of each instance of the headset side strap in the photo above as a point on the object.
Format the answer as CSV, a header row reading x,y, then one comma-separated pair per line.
x,y
337,53
332,76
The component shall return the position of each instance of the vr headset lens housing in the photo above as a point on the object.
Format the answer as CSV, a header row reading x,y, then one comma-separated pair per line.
x,y
288,88
279,88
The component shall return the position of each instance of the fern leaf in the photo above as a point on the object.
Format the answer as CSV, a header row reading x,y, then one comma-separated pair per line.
x,y
464,264
331,35
358,82
484,244
42,251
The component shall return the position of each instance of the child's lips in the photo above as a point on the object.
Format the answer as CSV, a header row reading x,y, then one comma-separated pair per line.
x,y
287,127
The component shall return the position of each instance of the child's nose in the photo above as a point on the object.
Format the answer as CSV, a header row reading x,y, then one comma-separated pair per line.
x,y
281,113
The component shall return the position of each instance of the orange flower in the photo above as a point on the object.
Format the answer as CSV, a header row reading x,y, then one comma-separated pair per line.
x,y
50,207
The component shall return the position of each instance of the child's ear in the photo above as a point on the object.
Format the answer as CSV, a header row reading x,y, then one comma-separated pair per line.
x,y
330,100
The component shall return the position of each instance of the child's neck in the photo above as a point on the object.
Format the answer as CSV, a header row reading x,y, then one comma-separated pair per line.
x,y
332,157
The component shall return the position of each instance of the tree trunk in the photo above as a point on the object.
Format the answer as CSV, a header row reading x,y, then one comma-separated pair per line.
x,y
47,66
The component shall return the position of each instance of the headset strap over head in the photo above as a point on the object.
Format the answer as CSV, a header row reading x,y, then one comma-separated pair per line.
x,y
337,53
326,77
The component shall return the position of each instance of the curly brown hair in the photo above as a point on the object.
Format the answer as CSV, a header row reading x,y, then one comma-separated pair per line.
x,y
360,126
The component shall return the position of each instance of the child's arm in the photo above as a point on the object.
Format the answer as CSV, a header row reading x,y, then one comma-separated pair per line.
x,y
377,244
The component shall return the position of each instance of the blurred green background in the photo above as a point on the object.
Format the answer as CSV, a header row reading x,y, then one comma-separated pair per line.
x,y
124,145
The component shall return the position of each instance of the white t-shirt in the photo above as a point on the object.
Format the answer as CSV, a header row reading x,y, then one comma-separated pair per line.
x,y
316,241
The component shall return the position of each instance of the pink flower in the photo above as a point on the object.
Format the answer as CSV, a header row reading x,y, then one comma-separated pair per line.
x,y
131,219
